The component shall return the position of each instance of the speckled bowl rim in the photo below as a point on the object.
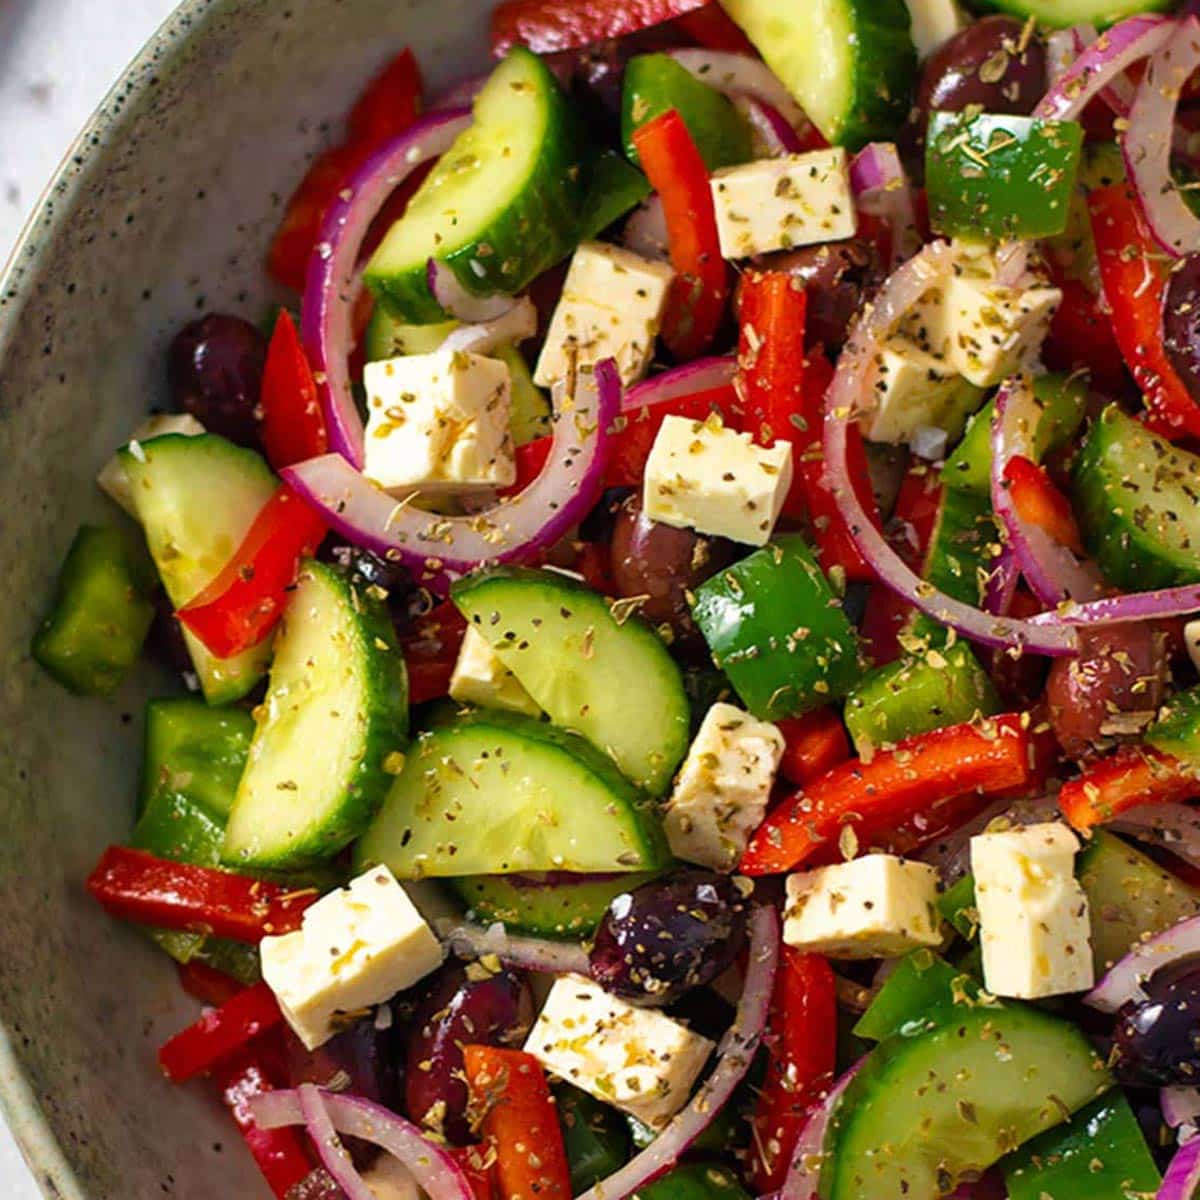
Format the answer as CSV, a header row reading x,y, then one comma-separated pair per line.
x,y
80,167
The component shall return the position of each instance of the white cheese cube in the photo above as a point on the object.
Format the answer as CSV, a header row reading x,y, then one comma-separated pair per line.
x,y
481,678
611,307
778,203
982,330
877,906
636,1059
721,792
703,476
1034,925
913,390
933,23
438,422
113,480
356,947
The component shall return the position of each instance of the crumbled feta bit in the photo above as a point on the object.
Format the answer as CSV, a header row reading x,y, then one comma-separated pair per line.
x,y
356,947
113,480
636,1059
933,23
611,307
872,907
1034,925
721,792
778,203
481,678
703,476
438,422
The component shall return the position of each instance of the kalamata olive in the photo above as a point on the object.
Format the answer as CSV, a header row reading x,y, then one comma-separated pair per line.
x,y
668,936
365,1059
599,524
662,563
405,600
1157,1040
214,369
1121,670
465,1004
165,640
1181,322
838,278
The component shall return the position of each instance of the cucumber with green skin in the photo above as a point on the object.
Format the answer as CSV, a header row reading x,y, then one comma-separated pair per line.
x,y
334,719
1135,497
497,794
1062,14
503,203
610,680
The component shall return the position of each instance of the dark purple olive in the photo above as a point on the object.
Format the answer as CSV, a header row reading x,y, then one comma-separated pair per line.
x,y
599,524
1181,322
364,1059
214,369
465,1004
669,936
838,278
405,600
662,564
165,641
1157,1040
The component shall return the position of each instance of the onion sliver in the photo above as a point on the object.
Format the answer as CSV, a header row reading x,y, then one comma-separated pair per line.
x,y
1124,981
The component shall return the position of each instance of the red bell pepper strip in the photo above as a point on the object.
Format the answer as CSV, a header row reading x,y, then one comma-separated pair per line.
x,y
546,26
1081,335
245,601
700,289
1134,275
801,1043
431,649
711,28
207,984
520,1122
1130,778
872,796
474,1163
219,1032
1038,502
390,103
292,426
813,745
136,886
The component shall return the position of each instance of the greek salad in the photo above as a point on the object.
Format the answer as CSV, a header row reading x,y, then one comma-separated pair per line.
x,y
683,613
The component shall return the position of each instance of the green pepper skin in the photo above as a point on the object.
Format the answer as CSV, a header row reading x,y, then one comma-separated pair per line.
x,y
920,994
595,1137
1177,730
613,189
695,1181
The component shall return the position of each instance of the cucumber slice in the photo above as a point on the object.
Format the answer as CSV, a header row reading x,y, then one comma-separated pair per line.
x,y
498,794
1135,496
503,203
196,498
553,905
1062,14
924,1112
611,681
850,64
335,714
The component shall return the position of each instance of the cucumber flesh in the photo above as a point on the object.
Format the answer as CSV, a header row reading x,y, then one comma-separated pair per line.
x,y
1062,14
335,714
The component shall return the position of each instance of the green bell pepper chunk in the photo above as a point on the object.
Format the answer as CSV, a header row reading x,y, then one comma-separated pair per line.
x,y
696,1181
595,1137
957,905
922,993
613,189
995,176
1177,730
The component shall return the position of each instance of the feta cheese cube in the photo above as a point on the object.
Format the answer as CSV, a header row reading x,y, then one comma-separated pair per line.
x,y
1034,924
636,1059
721,792
438,422
703,476
356,947
877,906
611,307
779,203
481,678
914,390
113,480
933,23
983,330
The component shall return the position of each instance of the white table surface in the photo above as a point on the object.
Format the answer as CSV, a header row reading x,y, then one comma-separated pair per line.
x,y
57,59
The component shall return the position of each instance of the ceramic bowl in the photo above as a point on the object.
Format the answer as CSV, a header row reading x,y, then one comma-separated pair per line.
x,y
162,210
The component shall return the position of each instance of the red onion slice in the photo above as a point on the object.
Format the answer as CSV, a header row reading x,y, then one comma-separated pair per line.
x,y
645,232
1116,610
1124,982
1180,1106
434,1170
329,1146
332,286
1001,584
1147,143
1183,1175
734,1057
804,1174
1174,827
524,953
516,323
846,400
449,292
1061,52
882,189
776,138
735,74
702,375
436,547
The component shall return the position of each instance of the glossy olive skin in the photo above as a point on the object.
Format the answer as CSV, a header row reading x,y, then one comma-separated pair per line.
x,y
214,369
1157,1041
405,600
669,936
1121,669
465,1004
839,277
165,641
364,1060
1181,322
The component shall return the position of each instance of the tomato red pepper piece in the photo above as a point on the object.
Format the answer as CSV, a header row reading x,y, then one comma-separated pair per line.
x,y
1081,335
546,26
813,744
711,28
390,103
1134,276
1130,778
520,1121
801,1043
292,426
219,1032
245,601
700,289
894,786
207,984
1038,502
474,1164
430,651
136,886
